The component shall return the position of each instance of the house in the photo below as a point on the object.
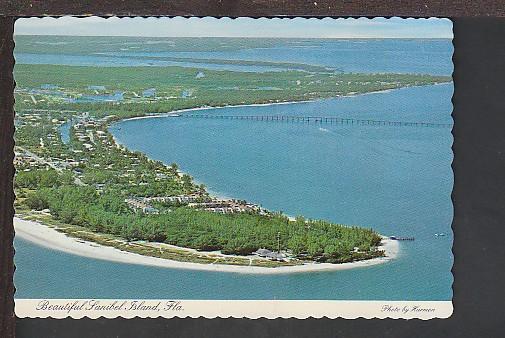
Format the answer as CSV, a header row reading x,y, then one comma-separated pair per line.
x,y
138,204
265,253
186,93
151,92
150,210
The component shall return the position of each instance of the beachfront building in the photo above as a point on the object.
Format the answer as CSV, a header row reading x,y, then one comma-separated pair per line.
x,y
183,199
227,206
138,204
275,256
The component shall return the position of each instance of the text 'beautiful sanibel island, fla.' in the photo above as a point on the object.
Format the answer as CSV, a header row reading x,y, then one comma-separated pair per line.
x,y
80,188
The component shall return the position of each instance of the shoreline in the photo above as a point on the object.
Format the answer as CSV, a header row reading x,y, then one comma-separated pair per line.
x,y
185,110
174,113
48,237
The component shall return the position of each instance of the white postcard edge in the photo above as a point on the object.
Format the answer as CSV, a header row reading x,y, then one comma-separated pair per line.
x,y
252,309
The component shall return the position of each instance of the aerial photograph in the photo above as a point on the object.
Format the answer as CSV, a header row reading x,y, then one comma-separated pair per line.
x,y
233,159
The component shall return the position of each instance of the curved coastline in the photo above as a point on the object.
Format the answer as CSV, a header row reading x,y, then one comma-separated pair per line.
x,y
48,237
175,113
201,108
185,110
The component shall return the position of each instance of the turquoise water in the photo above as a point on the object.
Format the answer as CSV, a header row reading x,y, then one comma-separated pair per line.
x,y
397,180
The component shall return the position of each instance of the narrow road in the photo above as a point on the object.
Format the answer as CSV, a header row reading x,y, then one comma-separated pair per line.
x,y
39,159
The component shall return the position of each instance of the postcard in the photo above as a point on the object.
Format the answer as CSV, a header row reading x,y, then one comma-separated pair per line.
x,y
186,167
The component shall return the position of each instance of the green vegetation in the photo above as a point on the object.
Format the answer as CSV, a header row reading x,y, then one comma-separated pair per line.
x,y
231,233
217,88
94,189
143,248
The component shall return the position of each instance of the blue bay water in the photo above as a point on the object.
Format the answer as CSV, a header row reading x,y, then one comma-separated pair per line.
x,y
115,61
429,56
420,56
397,180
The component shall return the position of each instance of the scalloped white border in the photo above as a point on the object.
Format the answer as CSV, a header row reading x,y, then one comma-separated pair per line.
x,y
253,309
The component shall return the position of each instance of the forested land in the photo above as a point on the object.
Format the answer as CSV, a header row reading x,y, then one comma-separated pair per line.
x,y
92,192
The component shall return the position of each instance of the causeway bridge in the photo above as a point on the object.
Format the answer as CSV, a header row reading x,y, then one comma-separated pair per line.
x,y
316,120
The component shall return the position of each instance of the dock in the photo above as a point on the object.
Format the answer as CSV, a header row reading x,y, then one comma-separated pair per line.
x,y
396,238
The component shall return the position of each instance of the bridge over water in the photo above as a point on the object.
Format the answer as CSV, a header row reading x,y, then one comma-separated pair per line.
x,y
317,120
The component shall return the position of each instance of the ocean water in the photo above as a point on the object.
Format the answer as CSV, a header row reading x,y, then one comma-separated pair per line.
x,y
397,180
115,61
425,56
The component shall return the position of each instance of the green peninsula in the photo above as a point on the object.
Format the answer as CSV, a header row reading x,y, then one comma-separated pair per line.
x,y
92,188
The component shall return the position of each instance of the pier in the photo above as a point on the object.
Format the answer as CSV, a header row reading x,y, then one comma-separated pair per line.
x,y
316,120
401,238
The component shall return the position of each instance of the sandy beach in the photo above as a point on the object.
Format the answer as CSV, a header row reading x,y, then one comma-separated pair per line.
x,y
176,113
48,237
187,110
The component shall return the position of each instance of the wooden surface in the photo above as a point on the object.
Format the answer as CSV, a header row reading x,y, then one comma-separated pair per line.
x,y
256,8
6,176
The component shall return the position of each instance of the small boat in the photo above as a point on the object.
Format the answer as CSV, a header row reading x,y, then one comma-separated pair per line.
x,y
440,235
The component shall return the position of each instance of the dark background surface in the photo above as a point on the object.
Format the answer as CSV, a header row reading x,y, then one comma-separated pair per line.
x,y
425,8
479,247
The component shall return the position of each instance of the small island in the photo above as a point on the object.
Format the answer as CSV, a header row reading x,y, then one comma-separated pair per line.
x,y
90,188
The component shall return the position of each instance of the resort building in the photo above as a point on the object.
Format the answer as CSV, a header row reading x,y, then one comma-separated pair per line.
x,y
275,256
138,204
